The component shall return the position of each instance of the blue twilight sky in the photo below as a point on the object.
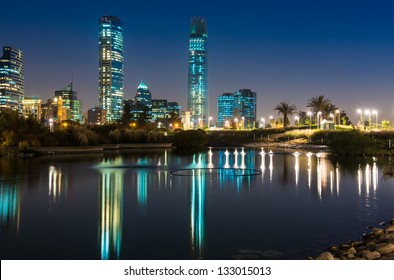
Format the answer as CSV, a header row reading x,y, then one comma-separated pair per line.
x,y
285,50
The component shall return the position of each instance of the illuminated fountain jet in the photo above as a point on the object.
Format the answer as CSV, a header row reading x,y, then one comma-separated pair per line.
x,y
262,166
227,165
243,166
236,158
210,154
297,167
271,166
319,175
309,155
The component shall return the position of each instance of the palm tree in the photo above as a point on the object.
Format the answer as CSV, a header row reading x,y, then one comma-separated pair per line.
x,y
285,109
320,104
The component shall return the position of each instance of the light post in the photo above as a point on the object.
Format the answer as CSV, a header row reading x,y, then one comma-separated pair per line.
x,y
272,121
375,112
51,125
236,122
318,119
368,113
209,122
310,120
227,124
297,120
338,113
332,116
243,123
199,122
359,111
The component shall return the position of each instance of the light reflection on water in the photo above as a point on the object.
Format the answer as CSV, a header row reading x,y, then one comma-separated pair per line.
x,y
309,173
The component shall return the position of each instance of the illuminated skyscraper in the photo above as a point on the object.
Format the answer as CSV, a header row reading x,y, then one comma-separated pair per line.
x,y
12,85
197,101
111,67
240,105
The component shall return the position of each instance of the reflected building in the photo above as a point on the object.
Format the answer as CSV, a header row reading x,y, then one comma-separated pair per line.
x,y
142,191
110,209
10,205
197,213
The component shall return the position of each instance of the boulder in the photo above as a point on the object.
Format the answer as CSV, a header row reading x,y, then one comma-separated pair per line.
x,y
392,221
385,248
377,231
325,256
389,229
370,255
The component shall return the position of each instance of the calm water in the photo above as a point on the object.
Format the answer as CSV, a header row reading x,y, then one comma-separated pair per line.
x,y
129,205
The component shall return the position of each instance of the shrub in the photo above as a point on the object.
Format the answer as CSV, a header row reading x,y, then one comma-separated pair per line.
x,y
190,139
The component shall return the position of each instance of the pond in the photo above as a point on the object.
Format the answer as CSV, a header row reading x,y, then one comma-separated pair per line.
x,y
215,204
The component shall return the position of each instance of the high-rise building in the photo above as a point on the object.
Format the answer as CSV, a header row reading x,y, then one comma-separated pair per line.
x,y
238,108
225,109
71,102
32,107
197,101
12,85
141,105
111,89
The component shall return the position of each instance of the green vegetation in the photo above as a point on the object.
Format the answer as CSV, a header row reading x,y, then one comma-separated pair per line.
x,y
285,109
190,139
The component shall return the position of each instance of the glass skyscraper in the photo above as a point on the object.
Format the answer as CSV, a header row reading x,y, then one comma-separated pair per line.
x,y
240,105
111,89
197,80
12,85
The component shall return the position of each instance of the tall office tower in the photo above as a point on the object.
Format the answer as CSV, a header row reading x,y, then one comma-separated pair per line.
x,y
237,109
142,105
70,102
197,101
225,109
111,89
12,85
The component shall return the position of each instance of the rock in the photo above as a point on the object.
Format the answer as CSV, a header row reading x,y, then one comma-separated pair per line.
x,y
345,246
370,255
392,221
371,245
389,229
350,256
377,231
325,256
333,249
385,248
351,251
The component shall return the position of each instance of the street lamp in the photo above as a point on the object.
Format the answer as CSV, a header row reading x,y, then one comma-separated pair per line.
x,y
272,121
375,112
236,122
199,122
359,111
297,119
310,119
339,116
368,113
318,119
332,116
243,123
209,122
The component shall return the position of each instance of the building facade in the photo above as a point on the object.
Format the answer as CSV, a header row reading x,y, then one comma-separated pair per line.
x,y
237,109
96,116
70,102
197,101
111,89
31,107
12,85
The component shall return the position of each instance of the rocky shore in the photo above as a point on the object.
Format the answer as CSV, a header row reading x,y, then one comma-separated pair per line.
x,y
377,245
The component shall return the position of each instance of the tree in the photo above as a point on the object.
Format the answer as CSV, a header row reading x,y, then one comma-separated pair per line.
x,y
320,104
285,109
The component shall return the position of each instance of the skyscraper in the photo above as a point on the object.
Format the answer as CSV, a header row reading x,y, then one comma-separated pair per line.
x,y
111,89
240,105
12,85
70,102
197,101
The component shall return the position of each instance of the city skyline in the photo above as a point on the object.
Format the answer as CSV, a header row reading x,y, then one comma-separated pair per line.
x,y
284,51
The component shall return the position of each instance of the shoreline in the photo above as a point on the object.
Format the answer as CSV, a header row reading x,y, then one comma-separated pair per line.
x,y
376,245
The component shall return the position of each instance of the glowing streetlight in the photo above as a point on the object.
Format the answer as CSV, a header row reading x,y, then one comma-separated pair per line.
x,y
318,119
332,116
209,122
375,112
262,122
339,116
368,113
359,111
236,122
243,123
310,119
297,120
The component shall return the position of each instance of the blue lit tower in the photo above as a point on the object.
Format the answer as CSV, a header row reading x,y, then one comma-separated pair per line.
x,y
198,88
12,85
111,67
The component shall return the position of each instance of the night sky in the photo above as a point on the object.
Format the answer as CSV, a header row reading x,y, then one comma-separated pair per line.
x,y
284,50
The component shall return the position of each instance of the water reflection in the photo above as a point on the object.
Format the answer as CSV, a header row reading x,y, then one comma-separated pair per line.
x,y
197,213
10,204
57,184
111,208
